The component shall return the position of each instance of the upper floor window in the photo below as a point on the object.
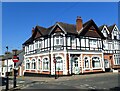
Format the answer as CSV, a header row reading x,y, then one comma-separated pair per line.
x,y
115,37
93,42
58,40
73,40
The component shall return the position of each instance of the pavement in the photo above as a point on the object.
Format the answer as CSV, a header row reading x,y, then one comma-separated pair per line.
x,y
24,82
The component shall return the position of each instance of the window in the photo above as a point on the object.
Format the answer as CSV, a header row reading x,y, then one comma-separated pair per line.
x,y
73,40
45,64
33,65
96,62
75,62
46,43
59,64
86,62
58,40
40,44
92,42
27,64
115,37
39,64
117,59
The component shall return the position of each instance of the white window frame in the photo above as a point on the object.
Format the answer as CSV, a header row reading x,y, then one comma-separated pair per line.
x,y
59,38
27,61
99,62
32,63
88,62
43,64
57,63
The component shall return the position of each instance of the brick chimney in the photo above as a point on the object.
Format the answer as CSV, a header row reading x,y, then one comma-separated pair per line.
x,y
33,30
79,23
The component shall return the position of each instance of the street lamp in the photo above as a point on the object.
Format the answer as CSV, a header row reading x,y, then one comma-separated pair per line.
x,y
14,56
7,81
54,60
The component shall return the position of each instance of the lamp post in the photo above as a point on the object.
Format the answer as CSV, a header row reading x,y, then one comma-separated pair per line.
x,y
7,81
54,60
14,56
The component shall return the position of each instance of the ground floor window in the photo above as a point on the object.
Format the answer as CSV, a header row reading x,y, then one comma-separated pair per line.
x,y
33,65
96,62
39,64
59,64
75,62
117,59
87,62
45,64
27,64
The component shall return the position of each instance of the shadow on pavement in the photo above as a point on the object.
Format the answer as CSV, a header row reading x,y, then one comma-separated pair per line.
x,y
115,89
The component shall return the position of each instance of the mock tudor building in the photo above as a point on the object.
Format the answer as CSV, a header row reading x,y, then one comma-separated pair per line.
x,y
77,48
111,47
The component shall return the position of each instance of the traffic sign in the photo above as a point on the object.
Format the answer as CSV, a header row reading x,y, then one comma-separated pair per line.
x,y
15,59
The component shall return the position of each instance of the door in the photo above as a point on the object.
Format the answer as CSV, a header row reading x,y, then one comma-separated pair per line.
x,y
75,67
106,63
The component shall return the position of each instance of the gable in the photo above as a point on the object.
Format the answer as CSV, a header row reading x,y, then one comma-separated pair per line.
x,y
90,29
57,28
115,29
105,29
92,32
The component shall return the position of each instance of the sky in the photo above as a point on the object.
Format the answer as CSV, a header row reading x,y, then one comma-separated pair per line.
x,y
19,18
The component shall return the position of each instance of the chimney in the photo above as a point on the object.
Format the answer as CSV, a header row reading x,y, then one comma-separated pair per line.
x,y
79,23
33,30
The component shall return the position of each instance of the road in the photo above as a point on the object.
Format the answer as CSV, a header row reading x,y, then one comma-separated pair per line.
x,y
104,81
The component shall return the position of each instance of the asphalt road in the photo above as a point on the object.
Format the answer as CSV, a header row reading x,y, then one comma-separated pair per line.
x,y
103,82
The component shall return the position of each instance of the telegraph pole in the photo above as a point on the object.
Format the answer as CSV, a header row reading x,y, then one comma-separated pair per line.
x,y
7,80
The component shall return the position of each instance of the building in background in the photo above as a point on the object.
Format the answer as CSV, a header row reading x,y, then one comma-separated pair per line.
x,y
8,56
111,47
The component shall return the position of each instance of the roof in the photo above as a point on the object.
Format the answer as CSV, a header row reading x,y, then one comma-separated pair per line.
x,y
101,27
87,25
110,28
10,54
68,28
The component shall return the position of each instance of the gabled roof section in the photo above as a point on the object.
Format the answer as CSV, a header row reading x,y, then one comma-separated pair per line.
x,y
38,31
86,27
69,28
110,28
101,27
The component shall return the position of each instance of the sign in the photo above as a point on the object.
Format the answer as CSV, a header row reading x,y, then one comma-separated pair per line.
x,y
15,59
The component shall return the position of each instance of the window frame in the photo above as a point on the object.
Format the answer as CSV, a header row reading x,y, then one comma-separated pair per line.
x,y
88,62
48,64
99,62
